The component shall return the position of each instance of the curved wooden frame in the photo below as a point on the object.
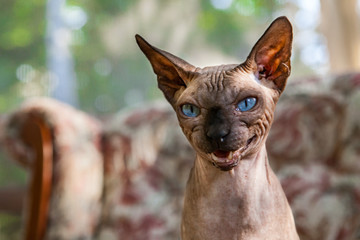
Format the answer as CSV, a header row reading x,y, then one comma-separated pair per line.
x,y
37,135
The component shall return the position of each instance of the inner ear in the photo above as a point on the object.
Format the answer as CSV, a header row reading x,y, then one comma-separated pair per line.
x,y
172,72
270,57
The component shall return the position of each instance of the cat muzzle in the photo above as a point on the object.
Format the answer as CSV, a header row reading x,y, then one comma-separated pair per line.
x,y
227,160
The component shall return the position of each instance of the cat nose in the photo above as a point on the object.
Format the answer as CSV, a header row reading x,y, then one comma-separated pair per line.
x,y
217,134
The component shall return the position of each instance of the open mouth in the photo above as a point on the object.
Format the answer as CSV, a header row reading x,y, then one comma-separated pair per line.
x,y
224,160
227,160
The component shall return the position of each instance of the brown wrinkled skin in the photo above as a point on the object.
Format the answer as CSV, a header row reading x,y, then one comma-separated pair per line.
x,y
246,202
235,196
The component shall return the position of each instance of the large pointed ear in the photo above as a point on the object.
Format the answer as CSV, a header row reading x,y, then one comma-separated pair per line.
x,y
172,72
270,57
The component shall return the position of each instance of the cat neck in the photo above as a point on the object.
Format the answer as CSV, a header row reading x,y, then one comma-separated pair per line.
x,y
247,184
249,196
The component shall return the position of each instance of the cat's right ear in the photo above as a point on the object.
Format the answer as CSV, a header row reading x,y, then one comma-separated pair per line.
x,y
270,57
172,72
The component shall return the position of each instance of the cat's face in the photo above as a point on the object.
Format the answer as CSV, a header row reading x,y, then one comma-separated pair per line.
x,y
226,111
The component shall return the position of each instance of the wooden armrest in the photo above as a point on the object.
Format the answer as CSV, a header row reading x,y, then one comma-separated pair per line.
x,y
36,134
60,148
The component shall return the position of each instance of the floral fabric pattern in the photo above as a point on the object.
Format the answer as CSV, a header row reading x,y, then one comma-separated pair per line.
x,y
77,168
147,163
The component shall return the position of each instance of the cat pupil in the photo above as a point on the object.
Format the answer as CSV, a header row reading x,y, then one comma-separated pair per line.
x,y
190,110
246,104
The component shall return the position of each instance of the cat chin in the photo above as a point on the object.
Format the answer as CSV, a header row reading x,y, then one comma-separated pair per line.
x,y
227,168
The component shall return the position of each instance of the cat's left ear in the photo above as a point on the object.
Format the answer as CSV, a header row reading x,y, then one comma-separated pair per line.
x,y
270,57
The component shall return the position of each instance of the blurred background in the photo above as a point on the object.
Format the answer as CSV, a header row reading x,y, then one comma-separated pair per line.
x,y
83,52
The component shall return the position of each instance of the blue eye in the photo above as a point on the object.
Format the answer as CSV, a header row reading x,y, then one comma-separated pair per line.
x,y
246,104
190,110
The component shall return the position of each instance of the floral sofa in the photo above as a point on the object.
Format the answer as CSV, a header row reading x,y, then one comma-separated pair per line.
x,y
125,178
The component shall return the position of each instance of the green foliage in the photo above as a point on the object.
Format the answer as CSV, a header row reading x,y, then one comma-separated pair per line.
x,y
223,26
10,227
22,41
22,25
99,93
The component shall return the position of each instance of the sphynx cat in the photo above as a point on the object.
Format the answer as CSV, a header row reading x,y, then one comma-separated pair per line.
x,y
226,113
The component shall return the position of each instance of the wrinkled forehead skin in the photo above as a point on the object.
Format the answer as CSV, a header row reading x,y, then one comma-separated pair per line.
x,y
221,86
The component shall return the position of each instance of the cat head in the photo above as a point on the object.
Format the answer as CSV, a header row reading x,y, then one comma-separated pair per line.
x,y
226,111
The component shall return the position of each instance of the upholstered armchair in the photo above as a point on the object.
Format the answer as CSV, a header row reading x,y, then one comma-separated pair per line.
x,y
60,148
125,178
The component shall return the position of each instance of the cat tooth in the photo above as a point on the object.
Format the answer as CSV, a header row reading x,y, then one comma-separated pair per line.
x,y
215,158
230,156
232,172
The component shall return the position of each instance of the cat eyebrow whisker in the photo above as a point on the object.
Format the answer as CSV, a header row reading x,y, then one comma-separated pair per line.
x,y
287,67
